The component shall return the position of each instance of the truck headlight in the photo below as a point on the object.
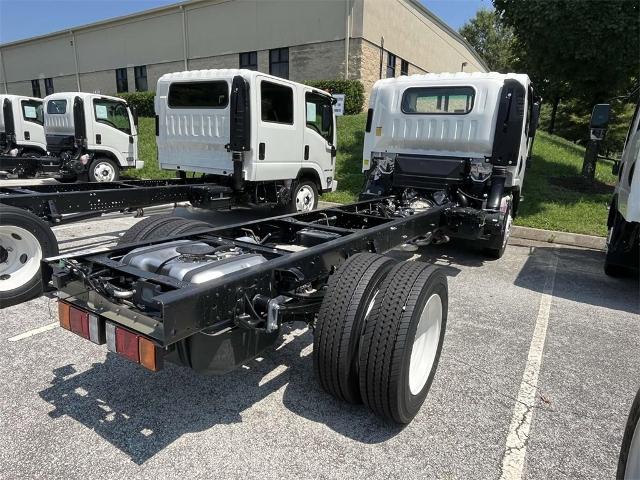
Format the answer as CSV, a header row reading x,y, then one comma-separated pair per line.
x,y
480,169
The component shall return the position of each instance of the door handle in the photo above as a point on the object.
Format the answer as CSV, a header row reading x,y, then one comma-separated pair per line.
x,y
27,136
261,151
306,152
98,138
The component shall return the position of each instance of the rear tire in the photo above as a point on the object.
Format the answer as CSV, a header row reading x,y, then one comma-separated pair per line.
x,y
160,226
25,240
346,305
403,340
629,459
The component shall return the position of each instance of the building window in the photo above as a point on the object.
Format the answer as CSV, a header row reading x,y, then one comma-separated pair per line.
x,y
404,67
140,74
48,86
122,84
276,103
435,100
199,94
249,60
35,88
391,65
279,62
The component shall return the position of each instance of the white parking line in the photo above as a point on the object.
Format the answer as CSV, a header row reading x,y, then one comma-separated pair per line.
x,y
518,437
33,332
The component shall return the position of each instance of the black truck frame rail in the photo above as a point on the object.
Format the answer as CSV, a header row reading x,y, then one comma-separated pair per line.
x,y
29,166
175,310
86,200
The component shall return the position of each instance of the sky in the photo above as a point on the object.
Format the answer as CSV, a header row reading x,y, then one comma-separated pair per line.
x,y
28,18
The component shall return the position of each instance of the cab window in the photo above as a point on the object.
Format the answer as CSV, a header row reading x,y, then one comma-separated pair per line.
x,y
199,94
32,111
57,107
112,113
438,100
315,103
276,103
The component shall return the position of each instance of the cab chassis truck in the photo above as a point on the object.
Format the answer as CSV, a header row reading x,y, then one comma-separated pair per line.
x,y
211,299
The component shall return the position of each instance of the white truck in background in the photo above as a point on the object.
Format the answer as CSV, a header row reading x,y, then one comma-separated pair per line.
x,y
463,138
94,136
21,130
270,139
623,240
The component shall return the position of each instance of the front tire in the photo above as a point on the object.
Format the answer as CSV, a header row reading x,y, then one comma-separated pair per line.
x,y
304,196
403,340
500,242
629,459
621,259
104,170
24,241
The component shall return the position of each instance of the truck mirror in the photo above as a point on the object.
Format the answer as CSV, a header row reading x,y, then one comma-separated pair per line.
x,y
134,114
615,168
327,118
600,116
535,116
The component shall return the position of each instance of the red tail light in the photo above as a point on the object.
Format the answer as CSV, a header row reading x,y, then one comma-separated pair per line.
x,y
135,347
79,322
86,324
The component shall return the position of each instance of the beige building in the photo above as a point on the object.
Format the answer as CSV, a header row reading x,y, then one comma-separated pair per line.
x,y
298,39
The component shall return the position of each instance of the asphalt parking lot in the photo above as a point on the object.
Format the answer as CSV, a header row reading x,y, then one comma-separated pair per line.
x,y
539,368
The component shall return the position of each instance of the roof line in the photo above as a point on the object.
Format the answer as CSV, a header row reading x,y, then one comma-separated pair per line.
x,y
441,23
172,6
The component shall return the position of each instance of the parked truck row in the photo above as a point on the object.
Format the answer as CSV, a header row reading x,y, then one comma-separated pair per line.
x,y
444,156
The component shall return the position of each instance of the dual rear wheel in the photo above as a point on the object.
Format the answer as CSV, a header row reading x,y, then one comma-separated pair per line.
x,y
379,334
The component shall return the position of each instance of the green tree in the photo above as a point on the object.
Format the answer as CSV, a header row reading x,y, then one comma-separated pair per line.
x,y
588,51
492,39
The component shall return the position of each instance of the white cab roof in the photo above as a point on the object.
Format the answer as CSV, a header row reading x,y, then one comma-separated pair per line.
x,y
451,78
82,95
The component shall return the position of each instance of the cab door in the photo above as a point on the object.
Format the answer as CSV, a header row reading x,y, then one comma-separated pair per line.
x,y
319,136
279,132
113,130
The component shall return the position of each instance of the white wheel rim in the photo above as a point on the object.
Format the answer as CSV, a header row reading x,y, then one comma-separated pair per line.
x,y
507,229
425,344
104,172
632,470
305,199
20,257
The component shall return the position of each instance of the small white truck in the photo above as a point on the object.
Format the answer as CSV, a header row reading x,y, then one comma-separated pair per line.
x,y
623,240
94,136
21,130
463,138
270,138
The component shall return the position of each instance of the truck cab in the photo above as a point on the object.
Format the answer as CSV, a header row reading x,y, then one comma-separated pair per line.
x,y
458,138
271,138
21,126
95,136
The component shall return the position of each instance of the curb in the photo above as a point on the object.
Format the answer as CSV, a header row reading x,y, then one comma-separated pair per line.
x,y
562,238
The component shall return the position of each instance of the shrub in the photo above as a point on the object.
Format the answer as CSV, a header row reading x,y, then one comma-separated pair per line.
x,y
353,92
143,101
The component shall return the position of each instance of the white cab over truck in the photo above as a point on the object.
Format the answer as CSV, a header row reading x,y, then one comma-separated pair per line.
x,y
623,241
461,138
270,138
94,136
21,126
